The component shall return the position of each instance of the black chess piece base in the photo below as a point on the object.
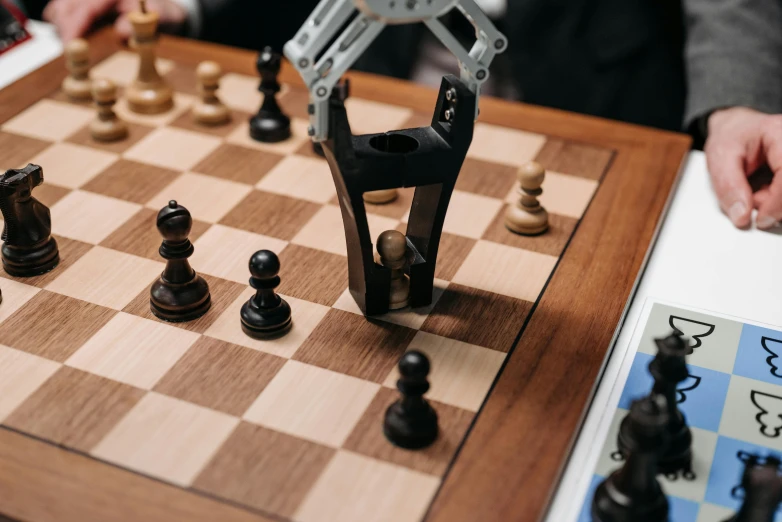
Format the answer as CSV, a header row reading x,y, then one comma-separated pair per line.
x,y
678,454
177,303
270,127
610,505
410,431
30,261
266,323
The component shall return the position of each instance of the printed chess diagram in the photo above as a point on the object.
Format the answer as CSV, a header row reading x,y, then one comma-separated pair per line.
x,y
732,401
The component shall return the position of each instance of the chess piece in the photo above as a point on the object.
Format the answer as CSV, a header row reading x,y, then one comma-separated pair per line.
x,y
632,493
411,422
148,93
210,110
179,294
107,126
669,368
527,217
392,249
77,60
762,487
266,315
380,197
269,125
29,248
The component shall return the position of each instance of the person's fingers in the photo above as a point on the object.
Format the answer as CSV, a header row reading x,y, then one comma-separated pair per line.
x,y
728,176
770,212
760,197
74,24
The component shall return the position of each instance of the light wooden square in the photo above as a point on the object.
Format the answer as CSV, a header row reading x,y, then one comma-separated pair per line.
x,y
173,148
133,350
306,316
15,295
240,92
166,438
182,103
206,197
122,67
90,217
369,117
107,278
312,403
300,177
461,373
225,252
410,317
241,136
20,375
354,488
469,215
71,165
506,270
503,145
49,120
325,230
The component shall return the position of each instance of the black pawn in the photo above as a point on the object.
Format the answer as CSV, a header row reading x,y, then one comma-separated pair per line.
x,y
632,493
179,294
29,248
270,125
762,491
669,368
411,422
266,314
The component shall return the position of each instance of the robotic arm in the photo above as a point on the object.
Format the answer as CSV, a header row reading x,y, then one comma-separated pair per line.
x,y
370,17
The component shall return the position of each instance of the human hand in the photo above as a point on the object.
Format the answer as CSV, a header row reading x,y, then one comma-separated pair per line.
x,y
74,18
740,140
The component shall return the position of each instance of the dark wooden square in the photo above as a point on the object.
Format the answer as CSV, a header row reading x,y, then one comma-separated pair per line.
x,y
236,163
477,317
222,293
312,275
131,181
221,376
551,242
577,159
139,235
74,408
265,469
53,326
485,178
355,345
16,151
367,437
271,215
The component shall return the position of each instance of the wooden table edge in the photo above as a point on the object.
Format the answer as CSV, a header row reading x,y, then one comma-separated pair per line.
x,y
628,140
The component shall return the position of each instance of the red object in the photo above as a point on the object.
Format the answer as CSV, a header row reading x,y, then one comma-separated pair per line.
x,y
12,26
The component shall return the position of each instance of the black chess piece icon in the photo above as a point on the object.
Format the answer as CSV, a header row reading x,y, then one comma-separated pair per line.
x,y
694,330
266,315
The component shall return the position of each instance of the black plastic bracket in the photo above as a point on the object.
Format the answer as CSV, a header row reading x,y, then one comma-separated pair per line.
x,y
427,158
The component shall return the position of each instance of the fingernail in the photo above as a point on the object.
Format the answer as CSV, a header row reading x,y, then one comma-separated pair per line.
x,y
737,211
766,222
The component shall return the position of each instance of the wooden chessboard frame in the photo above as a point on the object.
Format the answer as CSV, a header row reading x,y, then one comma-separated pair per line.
x,y
513,456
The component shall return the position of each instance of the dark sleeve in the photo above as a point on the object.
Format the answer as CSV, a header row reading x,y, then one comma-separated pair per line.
x,y
733,55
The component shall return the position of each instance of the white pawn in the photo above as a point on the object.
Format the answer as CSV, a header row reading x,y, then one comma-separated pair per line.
x,y
107,126
527,217
77,84
210,110
392,248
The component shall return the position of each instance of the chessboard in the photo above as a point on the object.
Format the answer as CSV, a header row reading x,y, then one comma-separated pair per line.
x,y
732,401
107,410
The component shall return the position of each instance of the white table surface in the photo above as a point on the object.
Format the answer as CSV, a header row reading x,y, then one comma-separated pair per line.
x,y
700,261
